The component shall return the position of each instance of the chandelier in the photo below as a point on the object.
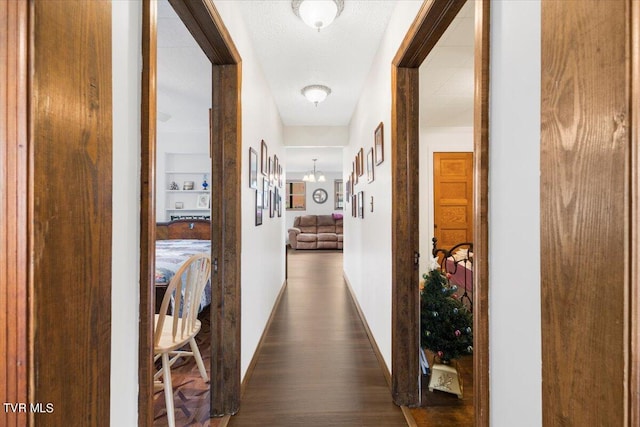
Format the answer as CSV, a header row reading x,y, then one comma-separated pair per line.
x,y
317,13
313,176
315,93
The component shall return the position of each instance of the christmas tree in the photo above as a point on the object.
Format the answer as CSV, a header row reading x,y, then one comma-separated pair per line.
x,y
446,323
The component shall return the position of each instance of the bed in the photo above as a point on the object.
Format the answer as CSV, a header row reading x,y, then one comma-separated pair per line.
x,y
457,263
176,241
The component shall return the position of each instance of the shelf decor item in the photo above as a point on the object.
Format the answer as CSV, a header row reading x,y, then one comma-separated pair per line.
x,y
188,185
179,205
205,184
174,186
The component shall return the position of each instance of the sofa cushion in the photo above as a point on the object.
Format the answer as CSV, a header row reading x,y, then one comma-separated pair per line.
x,y
327,245
307,224
339,237
307,237
327,237
339,226
326,220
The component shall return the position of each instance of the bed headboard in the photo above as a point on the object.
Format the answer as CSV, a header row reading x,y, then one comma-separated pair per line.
x,y
199,229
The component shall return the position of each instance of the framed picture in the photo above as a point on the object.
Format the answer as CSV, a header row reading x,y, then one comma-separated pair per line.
x,y
264,159
179,205
361,204
354,206
361,162
265,193
253,168
379,143
270,174
258,207
370,165
354,172
271,203
203,201
347,190
280,176
276,164
279,197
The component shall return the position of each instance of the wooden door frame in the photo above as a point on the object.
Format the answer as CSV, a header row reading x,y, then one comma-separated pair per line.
x,y
634,261
13,204
432,21
205,24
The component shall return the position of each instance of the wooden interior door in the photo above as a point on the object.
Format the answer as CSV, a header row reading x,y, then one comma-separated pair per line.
x,y
453,198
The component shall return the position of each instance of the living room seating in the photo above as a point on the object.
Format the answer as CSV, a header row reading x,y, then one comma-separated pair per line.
x,y
316,232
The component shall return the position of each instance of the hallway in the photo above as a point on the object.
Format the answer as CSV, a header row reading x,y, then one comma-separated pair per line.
x,y
316,366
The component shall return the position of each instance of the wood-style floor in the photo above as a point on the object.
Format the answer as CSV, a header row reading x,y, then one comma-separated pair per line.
x,y
316,366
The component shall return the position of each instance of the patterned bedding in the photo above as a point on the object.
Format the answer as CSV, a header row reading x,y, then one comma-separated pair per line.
x,y
171,254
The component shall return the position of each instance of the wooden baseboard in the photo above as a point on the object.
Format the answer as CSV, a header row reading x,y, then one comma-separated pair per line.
x,y
372,340
254,359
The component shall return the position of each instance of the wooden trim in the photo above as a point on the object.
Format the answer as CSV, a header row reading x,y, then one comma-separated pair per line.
x,y
254,359
585,113
147,212
372,340
481,390
634,261
408,417
205,24
14,169
432,20
70,221
206,27
225,300
405,303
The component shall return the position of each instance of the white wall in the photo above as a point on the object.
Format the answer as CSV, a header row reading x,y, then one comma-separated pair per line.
x,y
263,256
434,140
514,214
367,242
314,208
125,298
319,136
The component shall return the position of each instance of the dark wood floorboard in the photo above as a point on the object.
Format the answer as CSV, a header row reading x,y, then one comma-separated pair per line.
x,y
316,366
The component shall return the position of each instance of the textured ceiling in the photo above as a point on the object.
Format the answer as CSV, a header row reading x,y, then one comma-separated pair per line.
x,y
293,55
446,76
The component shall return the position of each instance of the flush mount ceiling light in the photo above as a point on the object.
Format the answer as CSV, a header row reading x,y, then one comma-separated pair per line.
x,y
315,93
317,13
313,176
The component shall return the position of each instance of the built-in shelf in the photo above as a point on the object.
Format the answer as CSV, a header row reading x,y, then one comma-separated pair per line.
x,y
187,170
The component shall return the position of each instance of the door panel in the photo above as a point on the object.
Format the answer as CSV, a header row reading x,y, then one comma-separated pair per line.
x,y
453,198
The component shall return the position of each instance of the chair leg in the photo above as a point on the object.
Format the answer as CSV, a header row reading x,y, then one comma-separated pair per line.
x,y
198,357
168,390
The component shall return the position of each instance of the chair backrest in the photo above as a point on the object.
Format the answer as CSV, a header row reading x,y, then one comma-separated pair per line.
x,y
186,289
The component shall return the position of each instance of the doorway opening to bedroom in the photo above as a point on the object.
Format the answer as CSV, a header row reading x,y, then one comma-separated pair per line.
x,y
190,177
439,112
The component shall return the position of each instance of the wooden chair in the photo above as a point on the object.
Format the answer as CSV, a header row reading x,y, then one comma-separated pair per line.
x,y
176,330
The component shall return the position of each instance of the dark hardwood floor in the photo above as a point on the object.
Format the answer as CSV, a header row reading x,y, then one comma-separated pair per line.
x,y
316,366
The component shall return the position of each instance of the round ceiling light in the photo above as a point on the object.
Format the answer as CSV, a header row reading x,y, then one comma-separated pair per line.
x,y
315,93
317,14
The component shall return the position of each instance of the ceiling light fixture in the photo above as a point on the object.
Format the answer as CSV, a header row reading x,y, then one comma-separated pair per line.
x,y
313,176
315,93
317,13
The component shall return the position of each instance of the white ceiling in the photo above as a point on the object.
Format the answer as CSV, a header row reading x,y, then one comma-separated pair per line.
x,y
293,55
299,159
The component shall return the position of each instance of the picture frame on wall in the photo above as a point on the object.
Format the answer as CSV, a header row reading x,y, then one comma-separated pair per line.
x,y
354,172
265,193
280,178
354,206
271,203
276,163
361,204
258,208
378,137
270,173
264,158
203,201
361,161
253,168
370,162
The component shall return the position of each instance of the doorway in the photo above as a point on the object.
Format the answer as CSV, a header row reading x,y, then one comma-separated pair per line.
x,y
205,24
432,21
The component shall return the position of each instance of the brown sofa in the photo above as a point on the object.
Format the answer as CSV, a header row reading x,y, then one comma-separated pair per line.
x,y
316,232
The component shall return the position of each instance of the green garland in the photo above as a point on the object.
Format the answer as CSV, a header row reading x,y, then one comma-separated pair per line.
x,y
446,323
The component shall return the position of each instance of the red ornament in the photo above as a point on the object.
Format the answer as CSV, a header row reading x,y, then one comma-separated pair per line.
x,y
440,354
458,333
